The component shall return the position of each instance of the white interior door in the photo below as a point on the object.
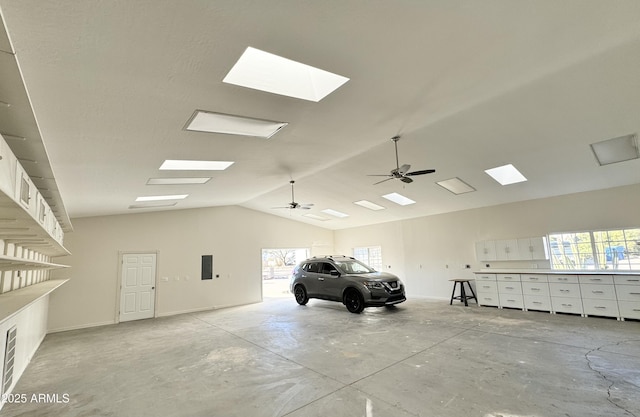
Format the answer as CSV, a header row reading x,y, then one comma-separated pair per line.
x,y
137,289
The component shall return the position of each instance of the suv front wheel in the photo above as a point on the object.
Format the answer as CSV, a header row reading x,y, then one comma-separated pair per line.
x,y
354,301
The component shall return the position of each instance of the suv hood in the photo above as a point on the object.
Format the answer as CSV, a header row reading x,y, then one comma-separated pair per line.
x,y
375,276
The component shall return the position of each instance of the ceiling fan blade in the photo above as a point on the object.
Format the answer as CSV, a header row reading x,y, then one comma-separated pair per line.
x,y
403,169
406,179
379,175
303,208
387,179
424,171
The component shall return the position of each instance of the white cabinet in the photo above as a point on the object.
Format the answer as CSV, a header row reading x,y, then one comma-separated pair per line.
x,y
535,289
628,295
598,295
523,249
486,250
487,290
510,291
533,248
565,294
507,250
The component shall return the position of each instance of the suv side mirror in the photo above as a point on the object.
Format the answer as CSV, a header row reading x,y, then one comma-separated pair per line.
x,y
334,273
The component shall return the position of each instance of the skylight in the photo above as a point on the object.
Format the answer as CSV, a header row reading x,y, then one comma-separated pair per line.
x,y
398,199
178,181
186,165
456,186
615,150
264,71
369,205
162,197
204,121
335,213
506,174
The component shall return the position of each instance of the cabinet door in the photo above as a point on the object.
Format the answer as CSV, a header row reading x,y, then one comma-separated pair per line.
x,y
525,250
486,250
507,250
539,248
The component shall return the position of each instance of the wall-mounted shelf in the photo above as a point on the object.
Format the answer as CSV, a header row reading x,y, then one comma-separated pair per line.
x,y
11,263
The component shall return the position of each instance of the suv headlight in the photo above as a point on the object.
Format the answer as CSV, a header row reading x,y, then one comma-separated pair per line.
x,y
373,285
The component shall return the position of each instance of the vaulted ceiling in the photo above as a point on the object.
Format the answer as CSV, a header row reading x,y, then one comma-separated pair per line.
x,y
468,85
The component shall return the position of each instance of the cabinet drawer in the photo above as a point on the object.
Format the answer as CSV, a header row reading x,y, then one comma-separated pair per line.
x,y
627,280
628,293
534,288
564,290
537,302
566,305
596,279
629,309
509,287
511,301
485,277
607,308
484,287
534,278
508,277
598,291
563,278
489,299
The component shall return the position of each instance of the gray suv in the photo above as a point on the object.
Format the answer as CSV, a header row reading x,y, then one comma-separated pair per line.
x,y
345,279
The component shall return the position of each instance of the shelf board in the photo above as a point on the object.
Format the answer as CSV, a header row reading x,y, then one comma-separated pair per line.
x,y
11,263
12,302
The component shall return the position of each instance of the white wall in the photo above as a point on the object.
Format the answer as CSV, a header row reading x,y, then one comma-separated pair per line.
x,y
234,236
420,249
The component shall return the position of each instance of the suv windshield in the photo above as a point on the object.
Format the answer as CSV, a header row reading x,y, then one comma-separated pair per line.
x,y
353,266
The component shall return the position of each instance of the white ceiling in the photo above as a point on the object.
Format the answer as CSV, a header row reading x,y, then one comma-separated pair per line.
x,y
468,84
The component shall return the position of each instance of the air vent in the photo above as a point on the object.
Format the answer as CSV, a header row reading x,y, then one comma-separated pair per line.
x,y
9,358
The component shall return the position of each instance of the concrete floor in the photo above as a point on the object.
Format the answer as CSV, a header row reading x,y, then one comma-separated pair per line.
x,y
423,358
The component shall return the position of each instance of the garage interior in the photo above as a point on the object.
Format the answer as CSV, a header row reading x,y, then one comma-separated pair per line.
x,y
99,99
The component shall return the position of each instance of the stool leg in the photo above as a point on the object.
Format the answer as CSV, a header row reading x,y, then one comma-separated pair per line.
x,y
454,292
474,294
463,295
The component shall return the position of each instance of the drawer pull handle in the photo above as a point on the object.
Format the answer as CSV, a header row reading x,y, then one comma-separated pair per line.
x,y
563,290
486,286
595,279
511,301
535,289
633,280
537,302
598,292
509,288
533,278
636,309
601,308
634,293
567,305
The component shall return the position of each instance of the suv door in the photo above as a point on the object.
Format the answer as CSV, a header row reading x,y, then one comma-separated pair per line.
x,y
329,281
309,277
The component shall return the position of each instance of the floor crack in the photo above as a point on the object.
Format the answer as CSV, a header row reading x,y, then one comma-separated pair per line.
x,y
604,377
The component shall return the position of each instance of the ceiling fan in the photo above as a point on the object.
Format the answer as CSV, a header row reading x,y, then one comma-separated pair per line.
x,y
293,205
401,172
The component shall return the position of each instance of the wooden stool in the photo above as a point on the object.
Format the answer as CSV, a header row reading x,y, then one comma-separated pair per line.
x,y
463,296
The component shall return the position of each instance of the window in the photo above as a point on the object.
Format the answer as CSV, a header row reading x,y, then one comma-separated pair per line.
x,y
603,249
371,255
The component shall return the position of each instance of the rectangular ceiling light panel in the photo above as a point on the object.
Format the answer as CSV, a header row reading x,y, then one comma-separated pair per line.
x,y
152,205
315,217
186,165
263,71
335,213
162,197
506,174
399,199
178,181
368,204
204,121
616,150
456,186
